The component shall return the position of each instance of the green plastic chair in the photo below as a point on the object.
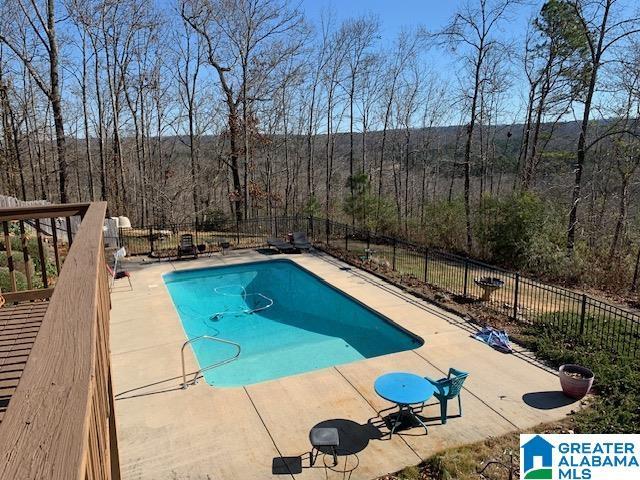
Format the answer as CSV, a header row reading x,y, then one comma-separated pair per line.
x,y
447,389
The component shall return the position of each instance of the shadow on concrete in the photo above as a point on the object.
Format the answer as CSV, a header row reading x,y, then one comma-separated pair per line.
x,y
120,287
547,400
286,465
267,251
354,438
172,384
408,423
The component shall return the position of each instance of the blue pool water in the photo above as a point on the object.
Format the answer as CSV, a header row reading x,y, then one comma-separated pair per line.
x,y
286,320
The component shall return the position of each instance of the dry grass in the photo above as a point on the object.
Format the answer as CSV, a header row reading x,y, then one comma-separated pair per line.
x,y
464,463
449,276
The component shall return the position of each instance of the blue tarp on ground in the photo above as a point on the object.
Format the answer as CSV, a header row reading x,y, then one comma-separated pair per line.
x,y
497,339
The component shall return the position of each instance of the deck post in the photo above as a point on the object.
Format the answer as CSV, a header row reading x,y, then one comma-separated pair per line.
x,y
43,269
7,247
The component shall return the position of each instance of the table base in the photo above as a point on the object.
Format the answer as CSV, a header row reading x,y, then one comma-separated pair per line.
x,y
405,417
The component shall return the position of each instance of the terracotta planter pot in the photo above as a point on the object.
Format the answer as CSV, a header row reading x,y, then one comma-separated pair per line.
x,y
575,387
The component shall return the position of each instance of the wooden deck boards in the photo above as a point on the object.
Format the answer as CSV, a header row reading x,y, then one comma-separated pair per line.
x,y
19,326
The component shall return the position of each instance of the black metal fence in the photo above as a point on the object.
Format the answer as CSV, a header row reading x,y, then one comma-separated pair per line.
x,y
161,241
574,314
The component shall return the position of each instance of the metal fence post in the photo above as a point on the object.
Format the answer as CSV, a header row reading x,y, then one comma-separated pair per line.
x,y
346,238
515,296
327,230
237,230
583,312
368,242
466,277
426,265
150,240
394,254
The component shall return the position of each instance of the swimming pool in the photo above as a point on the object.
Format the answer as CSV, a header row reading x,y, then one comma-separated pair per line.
x,y
287,321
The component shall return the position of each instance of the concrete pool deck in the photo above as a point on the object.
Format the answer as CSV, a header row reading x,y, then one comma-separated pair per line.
x,y
204,432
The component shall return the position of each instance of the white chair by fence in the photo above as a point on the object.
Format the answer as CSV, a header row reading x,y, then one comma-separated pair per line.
x,y
115,274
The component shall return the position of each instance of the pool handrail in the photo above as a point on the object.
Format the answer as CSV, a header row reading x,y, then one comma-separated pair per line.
x,y
198,372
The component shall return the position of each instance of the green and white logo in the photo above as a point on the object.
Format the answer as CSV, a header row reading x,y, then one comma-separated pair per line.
x,y
579,457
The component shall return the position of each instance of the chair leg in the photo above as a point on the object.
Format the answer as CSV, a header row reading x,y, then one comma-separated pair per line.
x,y
443,410
130,286
459,404
312,458
335,456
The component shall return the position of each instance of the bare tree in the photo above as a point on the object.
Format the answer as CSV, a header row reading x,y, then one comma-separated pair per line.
x,y
472,29
42,20
603,32
234,32
404,50
361,34
189,60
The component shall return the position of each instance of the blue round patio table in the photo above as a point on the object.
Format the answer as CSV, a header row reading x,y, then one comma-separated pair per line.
x,y
404,389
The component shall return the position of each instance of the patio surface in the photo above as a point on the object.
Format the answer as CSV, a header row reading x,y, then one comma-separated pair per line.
x,y
204,432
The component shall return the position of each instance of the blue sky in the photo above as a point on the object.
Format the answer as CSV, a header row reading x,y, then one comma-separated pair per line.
x,y
395,14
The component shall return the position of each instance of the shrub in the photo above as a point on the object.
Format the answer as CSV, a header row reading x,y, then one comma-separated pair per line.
x,y
368,210
18,259
5,280
507,226
445,225
312,208
214,219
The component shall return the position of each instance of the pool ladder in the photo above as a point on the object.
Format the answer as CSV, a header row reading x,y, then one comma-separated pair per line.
x,y
185,384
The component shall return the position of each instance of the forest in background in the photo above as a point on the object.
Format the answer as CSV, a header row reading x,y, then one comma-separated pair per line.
x,y
526,155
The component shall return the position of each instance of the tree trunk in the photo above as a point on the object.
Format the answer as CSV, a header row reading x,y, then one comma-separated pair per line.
x,y
582,140
56,102
467,152
85,115
622,216
351,152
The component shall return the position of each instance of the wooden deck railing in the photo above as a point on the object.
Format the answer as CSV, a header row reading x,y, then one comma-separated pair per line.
x,y
60,421
53,229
